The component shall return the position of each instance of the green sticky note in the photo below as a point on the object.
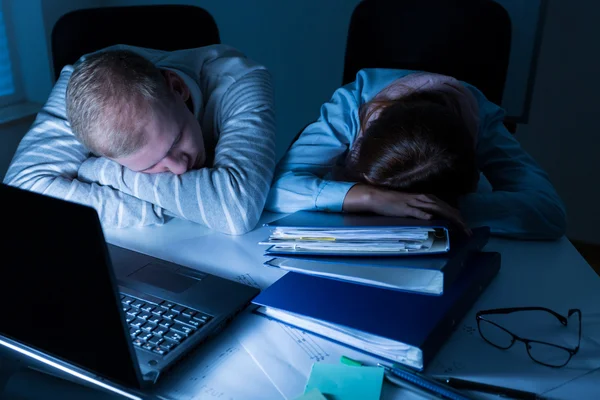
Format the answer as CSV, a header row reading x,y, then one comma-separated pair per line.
x,y
313,394
345,382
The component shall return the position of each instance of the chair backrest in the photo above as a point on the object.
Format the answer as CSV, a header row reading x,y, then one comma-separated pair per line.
x,y
160,27
467,39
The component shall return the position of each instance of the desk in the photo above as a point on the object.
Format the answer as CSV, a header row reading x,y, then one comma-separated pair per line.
x,y
550,274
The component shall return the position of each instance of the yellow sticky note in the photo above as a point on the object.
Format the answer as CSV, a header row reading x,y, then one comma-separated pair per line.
x,y
345,382
313,394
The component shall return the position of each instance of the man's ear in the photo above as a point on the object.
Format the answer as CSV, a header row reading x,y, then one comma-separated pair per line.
x,y
176,84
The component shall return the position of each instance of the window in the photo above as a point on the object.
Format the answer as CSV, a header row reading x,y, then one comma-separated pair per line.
x,y
9,88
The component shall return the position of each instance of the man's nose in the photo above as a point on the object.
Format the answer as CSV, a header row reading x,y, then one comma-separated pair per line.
x,y
177,164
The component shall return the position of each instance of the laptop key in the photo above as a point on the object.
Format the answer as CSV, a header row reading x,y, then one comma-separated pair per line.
x,y
155,319
166,323
129,318
188,321
160,330
148,327
202,317
155,340
167,304
147,307
145,336
134,332
126,308
183,329
138,342
137,322
177,337
169,314
137,304
159,311
144,315
160,350
133,312
147,346
127,300
178,309
188,312
168,344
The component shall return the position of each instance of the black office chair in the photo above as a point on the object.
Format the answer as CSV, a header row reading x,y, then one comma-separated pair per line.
x,y
467,39
161,27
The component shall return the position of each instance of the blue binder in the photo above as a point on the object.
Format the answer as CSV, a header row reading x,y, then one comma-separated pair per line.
x,y
401,327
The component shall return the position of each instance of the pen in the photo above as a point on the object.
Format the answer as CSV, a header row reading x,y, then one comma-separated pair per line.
x,y
432,385
396,381
409,379
484,387
410,386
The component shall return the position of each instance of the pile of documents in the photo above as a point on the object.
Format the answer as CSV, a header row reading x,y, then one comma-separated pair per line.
x,y
387,252
349,241
344,269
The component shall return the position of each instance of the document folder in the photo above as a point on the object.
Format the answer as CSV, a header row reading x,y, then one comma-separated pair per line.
x,y
401,327
353,234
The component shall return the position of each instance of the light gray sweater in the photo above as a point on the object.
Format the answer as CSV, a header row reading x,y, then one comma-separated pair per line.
x,y
233,100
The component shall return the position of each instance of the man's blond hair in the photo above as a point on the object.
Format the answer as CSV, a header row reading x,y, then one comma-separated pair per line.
x,y
109,97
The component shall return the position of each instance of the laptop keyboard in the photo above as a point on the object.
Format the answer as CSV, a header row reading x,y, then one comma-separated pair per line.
x,y
160,327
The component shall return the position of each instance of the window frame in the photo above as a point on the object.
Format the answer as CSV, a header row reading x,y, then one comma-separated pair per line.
x,y
18,96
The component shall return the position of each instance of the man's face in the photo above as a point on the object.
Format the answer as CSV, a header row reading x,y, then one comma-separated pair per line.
x,y
174,137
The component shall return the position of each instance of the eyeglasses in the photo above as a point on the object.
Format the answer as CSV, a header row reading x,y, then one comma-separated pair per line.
x,y
544,353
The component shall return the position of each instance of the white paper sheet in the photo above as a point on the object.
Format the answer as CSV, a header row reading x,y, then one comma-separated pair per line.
x,y
220,369
286,354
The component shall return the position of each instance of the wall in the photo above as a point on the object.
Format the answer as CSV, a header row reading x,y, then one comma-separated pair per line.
x,y
32,22
29,36
10,136
563,131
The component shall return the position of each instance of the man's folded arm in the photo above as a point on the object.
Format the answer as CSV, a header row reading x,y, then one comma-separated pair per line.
x,y
48,159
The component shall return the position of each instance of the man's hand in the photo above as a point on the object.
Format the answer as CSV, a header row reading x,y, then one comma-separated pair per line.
x,y
366,198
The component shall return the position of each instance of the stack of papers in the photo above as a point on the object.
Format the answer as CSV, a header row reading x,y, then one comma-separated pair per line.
x,y
357,241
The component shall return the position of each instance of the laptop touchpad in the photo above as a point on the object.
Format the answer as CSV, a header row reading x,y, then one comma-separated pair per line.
x,y
161,277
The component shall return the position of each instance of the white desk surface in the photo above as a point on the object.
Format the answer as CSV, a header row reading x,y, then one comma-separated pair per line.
x,y
549,274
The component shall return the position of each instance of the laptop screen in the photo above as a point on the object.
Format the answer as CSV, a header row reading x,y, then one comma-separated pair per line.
x,y
58,290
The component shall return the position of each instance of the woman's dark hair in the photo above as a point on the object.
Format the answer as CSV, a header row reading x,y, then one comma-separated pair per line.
x,y
420,144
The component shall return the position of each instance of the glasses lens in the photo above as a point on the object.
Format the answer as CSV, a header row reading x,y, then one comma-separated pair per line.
x,y
548,354
495,335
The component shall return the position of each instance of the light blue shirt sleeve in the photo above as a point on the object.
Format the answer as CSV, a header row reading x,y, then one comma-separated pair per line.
x,y
523,202
301,179
303,176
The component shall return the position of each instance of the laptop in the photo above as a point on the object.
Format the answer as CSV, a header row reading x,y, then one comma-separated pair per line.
x,y
97,313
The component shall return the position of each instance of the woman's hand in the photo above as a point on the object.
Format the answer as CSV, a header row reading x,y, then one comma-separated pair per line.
x,y
366,198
